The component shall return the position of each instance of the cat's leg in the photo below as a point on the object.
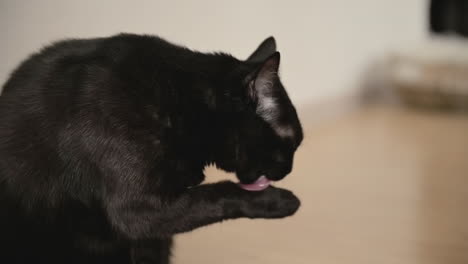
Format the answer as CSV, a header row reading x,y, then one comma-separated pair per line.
x,y
139,216
154,251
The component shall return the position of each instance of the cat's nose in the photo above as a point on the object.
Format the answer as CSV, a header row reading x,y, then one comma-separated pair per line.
x,y
280,172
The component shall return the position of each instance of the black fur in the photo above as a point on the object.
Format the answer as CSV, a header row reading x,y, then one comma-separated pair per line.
x,y
103,143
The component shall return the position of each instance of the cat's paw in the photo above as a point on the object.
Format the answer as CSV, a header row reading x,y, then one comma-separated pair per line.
x,y
271,203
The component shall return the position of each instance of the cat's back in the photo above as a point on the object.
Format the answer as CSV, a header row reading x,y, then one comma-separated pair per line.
x,y
62,94
59,59
33,107
39,66
70,72
53,98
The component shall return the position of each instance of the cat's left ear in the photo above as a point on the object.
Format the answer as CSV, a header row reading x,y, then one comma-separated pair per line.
x,y
262,88
267,94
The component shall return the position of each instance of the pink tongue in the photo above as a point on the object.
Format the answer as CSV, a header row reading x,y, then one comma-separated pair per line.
x,y
261,184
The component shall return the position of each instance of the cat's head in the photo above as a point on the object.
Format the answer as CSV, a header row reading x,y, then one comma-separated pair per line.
x,y
264,134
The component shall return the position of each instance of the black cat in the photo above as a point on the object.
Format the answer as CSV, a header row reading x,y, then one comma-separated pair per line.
x,y
103,143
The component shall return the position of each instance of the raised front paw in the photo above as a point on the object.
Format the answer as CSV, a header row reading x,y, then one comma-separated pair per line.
x,y
270,203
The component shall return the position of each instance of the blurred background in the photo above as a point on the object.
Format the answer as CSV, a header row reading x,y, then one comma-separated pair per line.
x,y
382,91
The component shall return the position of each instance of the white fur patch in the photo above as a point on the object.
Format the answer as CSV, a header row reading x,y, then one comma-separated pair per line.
x,y
284,131
268,107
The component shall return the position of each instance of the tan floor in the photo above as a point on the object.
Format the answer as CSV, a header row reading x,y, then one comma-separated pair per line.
x,y
379,185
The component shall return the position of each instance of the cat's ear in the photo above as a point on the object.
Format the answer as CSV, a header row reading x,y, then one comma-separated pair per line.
x,y
262,88
267,93
264,50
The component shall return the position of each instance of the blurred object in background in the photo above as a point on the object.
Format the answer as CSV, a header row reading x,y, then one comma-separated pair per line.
x,y
432,74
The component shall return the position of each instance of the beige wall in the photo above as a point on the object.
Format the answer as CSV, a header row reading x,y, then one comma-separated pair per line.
x,y
325,43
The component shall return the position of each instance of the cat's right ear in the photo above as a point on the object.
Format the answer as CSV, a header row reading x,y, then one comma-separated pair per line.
x,y
264,50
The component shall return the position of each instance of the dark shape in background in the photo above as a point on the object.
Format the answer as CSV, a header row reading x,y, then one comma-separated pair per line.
x,y
449,16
